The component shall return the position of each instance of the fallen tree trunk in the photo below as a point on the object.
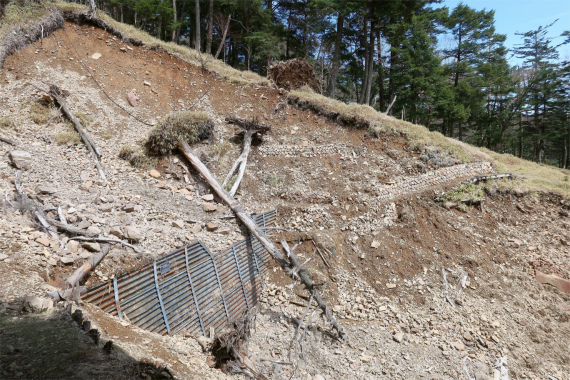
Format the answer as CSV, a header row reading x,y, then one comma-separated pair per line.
x,y
69,229
87,266
89,143
259,234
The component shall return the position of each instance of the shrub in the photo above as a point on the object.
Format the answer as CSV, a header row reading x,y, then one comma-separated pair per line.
x,y
67,137
6,123
40,111
187,126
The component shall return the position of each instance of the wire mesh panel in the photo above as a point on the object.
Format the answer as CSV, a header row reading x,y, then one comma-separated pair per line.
x,y
189,290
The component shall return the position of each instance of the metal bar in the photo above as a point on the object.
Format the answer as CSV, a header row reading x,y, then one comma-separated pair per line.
x,y
160,299
240,278
219,282
255,259
117,298
194,294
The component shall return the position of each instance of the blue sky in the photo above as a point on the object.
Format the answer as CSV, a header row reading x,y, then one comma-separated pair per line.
x,y
514,16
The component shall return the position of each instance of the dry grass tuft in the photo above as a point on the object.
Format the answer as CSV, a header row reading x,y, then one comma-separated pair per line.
x,y
136,157
67,138
40,111
7,123
186,126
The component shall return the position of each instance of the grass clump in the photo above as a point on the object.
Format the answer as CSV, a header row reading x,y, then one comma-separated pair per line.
x,y
186,126
220,149
6,123
40,111
467,191
136,157
67,138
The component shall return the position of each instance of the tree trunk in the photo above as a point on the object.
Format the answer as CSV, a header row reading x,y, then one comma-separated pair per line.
x,y
175,20
87,266
380,78
336,56
520,136
365,80
197,41
370,64
210,27
259,234
223,42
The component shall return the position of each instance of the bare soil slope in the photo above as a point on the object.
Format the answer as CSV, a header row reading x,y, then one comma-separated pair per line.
x,y
367,202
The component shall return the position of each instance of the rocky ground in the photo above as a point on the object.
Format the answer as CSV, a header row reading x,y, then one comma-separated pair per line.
x,y
367,203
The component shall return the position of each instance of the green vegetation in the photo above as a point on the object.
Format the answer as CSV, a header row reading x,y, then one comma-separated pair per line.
x,y
273,179
186,126
468,191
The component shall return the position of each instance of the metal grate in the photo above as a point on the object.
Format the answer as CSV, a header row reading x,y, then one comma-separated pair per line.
x,y
189,290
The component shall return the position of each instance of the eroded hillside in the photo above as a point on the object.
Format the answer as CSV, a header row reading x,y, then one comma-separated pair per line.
x,y
367,201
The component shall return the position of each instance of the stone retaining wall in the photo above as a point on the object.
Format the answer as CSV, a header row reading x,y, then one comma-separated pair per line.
x,y
433,178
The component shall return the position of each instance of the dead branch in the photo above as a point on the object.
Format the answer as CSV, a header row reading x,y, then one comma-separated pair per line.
x,y
69,229
7,141
259,233
250,127
106,240
446,292
87,266
321,254
295,338
56,94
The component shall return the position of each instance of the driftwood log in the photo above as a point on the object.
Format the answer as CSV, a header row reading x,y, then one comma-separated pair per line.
x,y
290,263
249,128
77,276
58,97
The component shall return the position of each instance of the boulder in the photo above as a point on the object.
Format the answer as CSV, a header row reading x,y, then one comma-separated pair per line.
x,y
212,226
208,197
73,246
21,159
37,304
67,260
179,223
154,173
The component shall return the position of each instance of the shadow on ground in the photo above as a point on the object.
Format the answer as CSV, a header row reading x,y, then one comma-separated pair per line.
x,y
50,346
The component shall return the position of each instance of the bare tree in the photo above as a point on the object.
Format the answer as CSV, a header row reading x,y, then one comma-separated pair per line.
x,y
224,32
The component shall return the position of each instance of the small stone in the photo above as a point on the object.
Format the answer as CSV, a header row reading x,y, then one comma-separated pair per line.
x,y
129,207
211,362
3,256
94,230
154,173
91,246
45,189
133,98
123,49
132,233
73,246
84,224
390,285
209,207
52,261
318,377
224,231
467,336
84,254
43,241
211,226
399,337
482,376
178,223
96,56
366,358
106,207
161,185
458,346
208,197
304,143
67,260
21,159
116,231
147,83
375,244
197,228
